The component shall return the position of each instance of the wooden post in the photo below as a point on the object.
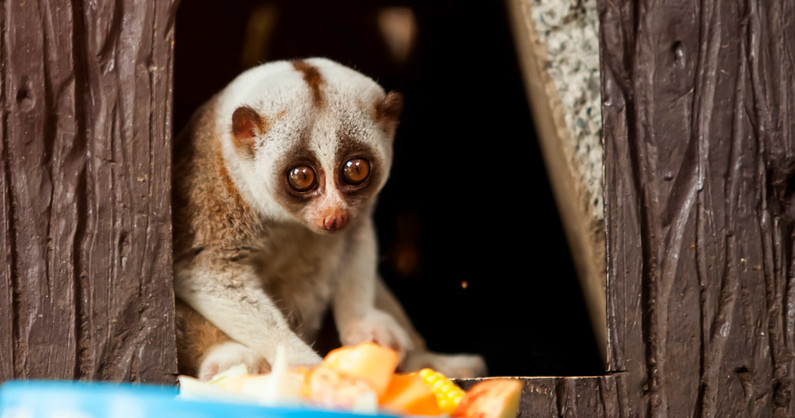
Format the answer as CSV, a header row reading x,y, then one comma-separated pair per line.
x,y
85,222
699,165
699,134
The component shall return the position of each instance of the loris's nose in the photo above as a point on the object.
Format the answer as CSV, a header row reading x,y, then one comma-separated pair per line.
x,y
335,221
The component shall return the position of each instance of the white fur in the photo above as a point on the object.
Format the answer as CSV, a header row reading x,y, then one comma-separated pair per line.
x,y
234,301
230,354
276,89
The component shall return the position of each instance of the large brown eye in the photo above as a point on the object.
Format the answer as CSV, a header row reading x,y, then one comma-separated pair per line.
x,y
355,171
301,178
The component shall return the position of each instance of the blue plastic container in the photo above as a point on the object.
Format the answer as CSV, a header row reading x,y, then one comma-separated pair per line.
x,y
67,399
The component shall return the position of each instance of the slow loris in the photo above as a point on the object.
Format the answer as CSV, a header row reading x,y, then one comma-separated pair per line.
x,y
275,183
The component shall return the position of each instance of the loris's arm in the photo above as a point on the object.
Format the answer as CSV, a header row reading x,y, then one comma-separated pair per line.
x,y
356,316
229,295
386,301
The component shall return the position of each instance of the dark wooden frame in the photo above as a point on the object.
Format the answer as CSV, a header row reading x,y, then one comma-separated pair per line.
x,y
85,181
699,160
698,111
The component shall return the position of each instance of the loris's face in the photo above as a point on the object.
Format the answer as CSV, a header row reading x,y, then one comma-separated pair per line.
x,y
317,145
326,183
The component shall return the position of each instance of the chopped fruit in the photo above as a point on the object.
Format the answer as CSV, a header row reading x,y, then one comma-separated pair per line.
x,y
328,388
280,387
232,379
230,373
360,379
409,394
367,361
494,398
194,389
234,384
448,394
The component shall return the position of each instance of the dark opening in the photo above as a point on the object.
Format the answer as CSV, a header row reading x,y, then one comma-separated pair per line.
x,y
470,236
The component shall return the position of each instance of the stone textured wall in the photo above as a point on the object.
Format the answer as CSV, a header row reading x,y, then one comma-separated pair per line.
x,y
568,31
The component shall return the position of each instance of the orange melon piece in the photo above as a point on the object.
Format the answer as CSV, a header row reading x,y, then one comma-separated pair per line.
x,y
368,362
409,394
493,398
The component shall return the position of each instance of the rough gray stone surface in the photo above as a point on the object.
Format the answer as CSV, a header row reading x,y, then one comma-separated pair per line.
x,y
569,30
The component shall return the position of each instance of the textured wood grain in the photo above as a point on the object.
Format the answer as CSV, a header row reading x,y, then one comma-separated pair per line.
x,y
698,124
85,185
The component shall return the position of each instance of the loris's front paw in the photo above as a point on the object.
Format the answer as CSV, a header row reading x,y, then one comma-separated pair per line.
x,y
229,354
377,326
300,356
456,366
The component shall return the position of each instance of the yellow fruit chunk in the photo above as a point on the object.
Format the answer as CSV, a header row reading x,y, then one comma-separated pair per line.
x,y
448,394
367,361
409,394
493,398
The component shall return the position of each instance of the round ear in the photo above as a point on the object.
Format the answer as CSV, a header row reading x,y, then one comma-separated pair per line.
x,y
387,111
247,124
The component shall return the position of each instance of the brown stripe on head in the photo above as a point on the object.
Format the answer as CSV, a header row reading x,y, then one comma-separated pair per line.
x,y
312,78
